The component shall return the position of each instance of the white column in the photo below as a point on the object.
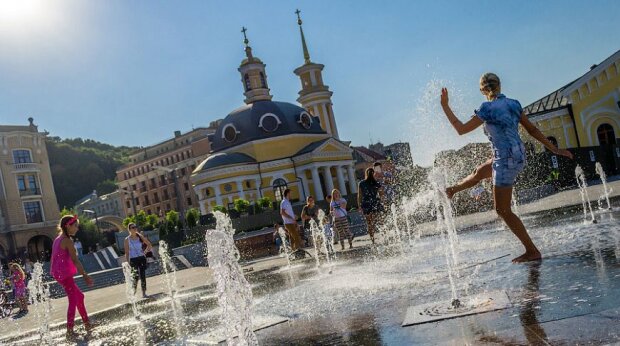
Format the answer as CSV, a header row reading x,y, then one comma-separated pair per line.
x,y
341,184
203,206
316,181
240,189
329,180
352,182
218,195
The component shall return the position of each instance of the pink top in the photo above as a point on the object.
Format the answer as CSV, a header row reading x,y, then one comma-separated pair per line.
x,y
62,265
18,280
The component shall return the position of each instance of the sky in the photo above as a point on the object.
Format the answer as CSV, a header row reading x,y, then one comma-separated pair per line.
x,y
133,72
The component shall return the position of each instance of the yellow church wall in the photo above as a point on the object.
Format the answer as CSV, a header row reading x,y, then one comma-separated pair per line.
x,y
592,94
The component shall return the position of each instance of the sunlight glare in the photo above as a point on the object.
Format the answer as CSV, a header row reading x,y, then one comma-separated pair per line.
x,y
20,12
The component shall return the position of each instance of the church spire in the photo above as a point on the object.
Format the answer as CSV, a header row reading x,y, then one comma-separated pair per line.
x,y
253,75
303,38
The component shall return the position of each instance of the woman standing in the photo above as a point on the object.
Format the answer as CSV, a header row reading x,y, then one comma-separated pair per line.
x,y
338,208
369,202
136,257
64,264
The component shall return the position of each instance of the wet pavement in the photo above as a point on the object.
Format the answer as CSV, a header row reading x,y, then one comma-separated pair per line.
x,y
571,297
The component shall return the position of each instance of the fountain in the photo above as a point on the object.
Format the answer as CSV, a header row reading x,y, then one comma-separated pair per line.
x,y
285,245
601,173
320,241
40,302
130,292
583,191
234,293
170,278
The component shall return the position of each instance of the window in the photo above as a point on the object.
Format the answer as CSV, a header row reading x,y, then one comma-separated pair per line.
x,y
156,197
22,156
182,155
166,195
33,212
183,171
137,201
263,81
606,135
189,201
128,204
305,120
186,186
279,185
246,82
153,183
162,180
27,185
230,133
146,200
269,122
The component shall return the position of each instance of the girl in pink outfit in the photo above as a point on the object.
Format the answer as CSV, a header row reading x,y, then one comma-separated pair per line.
x,y
65,264
19,283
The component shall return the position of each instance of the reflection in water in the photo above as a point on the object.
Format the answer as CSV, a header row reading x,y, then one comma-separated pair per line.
x,y
534,332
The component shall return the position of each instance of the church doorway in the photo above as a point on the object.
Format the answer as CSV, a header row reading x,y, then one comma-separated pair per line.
x,y
606,135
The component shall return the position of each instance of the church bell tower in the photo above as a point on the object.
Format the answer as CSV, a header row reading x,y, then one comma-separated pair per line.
x,y
253,75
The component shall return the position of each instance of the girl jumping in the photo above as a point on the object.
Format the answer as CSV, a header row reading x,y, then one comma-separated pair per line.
x,y
501,117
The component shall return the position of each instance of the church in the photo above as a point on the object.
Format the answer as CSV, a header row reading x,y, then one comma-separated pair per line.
x,y
264,147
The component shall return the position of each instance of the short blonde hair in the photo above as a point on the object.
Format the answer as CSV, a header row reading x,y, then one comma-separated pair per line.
x,y
490,84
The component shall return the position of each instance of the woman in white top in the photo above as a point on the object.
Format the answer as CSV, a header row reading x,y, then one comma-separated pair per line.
x,y
135,255
338,208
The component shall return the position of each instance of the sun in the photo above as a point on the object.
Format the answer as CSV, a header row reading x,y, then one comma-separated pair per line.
x,y
20,11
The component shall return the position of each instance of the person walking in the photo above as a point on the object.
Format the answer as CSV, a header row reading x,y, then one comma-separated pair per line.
x,y
290,222
501,117
78,248
64,264
369,202
136,256
338,208
309,212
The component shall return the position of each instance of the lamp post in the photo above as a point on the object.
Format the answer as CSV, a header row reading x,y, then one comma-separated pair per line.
x,y
131,195
179,204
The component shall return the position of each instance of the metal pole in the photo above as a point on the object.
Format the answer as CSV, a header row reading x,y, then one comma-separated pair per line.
x,y
179,202
97,222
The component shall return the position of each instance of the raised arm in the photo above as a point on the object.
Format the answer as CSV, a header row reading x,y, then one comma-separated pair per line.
x,y
460,128
539,136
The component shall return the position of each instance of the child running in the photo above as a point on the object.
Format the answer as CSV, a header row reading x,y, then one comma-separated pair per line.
x,y
18,276
501,117
65,264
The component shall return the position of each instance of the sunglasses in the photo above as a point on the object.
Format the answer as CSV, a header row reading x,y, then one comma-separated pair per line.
x,y
133,227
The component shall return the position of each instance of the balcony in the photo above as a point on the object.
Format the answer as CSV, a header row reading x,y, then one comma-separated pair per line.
x,y
26,167
30,192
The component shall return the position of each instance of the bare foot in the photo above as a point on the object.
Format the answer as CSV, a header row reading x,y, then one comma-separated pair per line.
x,y
527,257
450,192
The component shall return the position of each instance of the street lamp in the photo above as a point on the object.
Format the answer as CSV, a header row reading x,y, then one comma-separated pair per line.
x,y
173,172
88,211
131,195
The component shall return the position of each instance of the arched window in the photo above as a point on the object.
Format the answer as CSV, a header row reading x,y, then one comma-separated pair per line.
x,y
263,81
269,122
606,135
246,82
279,185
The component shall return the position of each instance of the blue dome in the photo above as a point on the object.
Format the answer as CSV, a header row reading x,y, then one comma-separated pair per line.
x,y
223,159
261,120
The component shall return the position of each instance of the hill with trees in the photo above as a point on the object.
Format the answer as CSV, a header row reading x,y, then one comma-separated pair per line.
x,y
80,166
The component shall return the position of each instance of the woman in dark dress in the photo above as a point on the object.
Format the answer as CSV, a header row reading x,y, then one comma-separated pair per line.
x,y
369,201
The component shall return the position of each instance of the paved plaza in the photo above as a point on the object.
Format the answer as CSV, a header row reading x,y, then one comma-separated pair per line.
x,y
566,276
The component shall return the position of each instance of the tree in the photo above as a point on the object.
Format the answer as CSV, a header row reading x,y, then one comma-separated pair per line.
x,y
151,221
172,221
264,202
241,205
192,217
220,208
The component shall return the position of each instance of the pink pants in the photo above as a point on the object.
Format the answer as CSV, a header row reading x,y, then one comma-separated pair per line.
x,y
76,299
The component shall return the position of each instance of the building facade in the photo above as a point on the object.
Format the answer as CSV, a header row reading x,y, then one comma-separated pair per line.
x,y
265,146
110,204
585,112
157,179
28,208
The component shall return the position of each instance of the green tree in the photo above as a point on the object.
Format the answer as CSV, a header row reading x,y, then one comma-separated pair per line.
x,y
220,208
151,221
172,221
241,205
192,217
264,202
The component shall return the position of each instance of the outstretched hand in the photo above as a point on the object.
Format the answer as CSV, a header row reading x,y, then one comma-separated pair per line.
x,y
564,152
444,97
